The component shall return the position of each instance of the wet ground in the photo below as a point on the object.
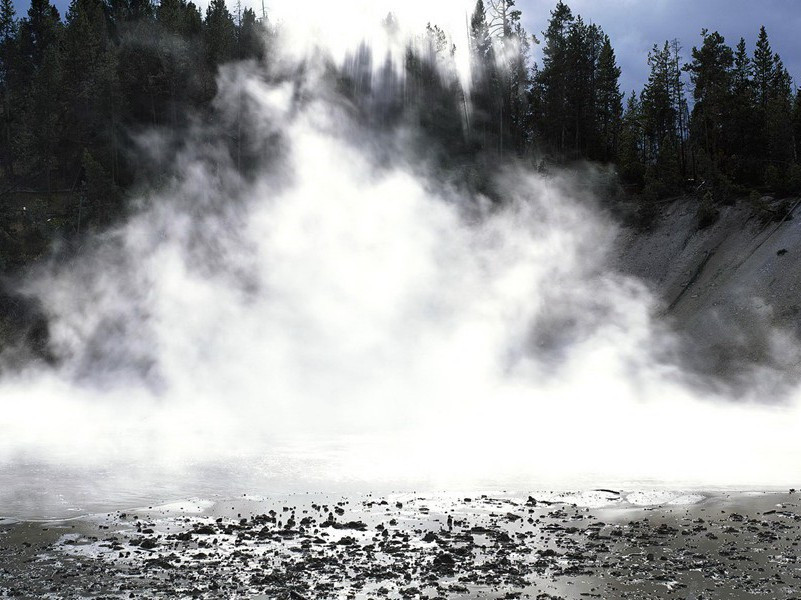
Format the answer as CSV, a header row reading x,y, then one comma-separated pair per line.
x,y
599,544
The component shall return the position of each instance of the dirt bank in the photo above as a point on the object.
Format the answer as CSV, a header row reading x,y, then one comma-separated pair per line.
x,y
732,290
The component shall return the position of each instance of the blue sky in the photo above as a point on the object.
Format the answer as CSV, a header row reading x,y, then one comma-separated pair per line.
x,y
636,25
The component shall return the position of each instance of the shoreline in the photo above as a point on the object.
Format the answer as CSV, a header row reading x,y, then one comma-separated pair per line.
x,y
546,545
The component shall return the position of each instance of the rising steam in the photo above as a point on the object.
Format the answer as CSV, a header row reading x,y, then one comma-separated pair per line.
x,y
417,331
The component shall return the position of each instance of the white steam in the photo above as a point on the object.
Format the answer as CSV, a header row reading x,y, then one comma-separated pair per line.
x,y
427,337
339,26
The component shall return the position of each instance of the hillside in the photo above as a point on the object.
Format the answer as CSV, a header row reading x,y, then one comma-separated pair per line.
x,y
731,290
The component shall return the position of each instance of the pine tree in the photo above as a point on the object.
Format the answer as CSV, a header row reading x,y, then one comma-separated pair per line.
x,y
439,98
8,23
512,46
742,68
553,79
8,56
630,147
712,79
249,37
38,99
579,98
91,87
122,11
84,49
763,70
742,122
192,22
39,31
797,127
663,109
8,34
219,34
576,93
43,118
520,90
778,115
659,113
485,98
169,14
480,42
609,101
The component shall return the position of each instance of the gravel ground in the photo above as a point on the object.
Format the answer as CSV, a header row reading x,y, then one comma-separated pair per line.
x,y
597,544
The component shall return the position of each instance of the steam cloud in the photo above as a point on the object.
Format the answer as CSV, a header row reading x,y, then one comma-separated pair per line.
x,y
339,318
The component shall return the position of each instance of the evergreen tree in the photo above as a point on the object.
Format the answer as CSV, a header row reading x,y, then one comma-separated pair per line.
x,y
663,108
8,57
84,52
480,42
440,95
712,78
630,147
520,82
485,85
181,56
131,10
577,89
553,80
764,79
219,34
169,14
777,118
742,122
579,100
42,118
742,68
91,87
192,22
249,37
797,127
8,21
609,102
511,44
763,70
659,113
39,32
142,73
39,107
679,100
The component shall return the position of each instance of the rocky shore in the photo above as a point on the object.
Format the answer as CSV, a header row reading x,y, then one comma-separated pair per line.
x,y
597,544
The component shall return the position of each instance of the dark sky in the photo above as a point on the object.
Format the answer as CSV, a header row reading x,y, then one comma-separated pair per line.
x,y
636,25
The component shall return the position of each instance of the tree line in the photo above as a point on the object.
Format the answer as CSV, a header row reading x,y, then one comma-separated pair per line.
x,y
724,122
74,93
721,124
742,133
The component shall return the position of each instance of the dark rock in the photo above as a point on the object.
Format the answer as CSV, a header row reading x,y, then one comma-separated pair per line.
x,y
148,543
444,562
205,530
